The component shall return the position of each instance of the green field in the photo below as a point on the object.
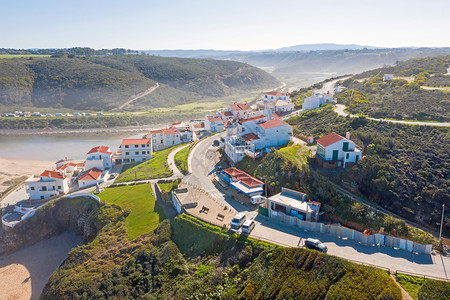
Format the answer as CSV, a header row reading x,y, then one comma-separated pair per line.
x,y
145,214
181,159
295,153
156,167
411,284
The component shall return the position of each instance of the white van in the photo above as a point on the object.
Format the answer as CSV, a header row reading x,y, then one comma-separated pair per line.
x,y
257,199
248,226
237,221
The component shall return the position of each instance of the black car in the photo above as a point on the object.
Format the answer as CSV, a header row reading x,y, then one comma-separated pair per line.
x,y
216,143
315,245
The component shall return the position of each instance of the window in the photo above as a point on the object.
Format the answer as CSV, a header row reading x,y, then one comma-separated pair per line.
x,y
132,160
126,146
127,153
142,146
347,156
144,159
136,152
148,152
44,188
143,152
32,188
59,187
345,146
42,197
135,146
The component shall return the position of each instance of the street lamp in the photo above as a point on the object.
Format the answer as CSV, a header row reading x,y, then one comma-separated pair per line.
x,y
442,222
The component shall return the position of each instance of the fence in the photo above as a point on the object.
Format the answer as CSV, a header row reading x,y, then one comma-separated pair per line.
x,y
84,195
176,202
346,233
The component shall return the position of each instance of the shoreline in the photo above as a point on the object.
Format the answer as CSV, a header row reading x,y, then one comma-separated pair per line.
x,y
81,130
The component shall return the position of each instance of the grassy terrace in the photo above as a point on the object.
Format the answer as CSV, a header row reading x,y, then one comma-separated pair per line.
x,y
145,214
295,153
181,158
156,167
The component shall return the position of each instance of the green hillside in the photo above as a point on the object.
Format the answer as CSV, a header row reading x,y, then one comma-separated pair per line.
x,y
406,96
105,82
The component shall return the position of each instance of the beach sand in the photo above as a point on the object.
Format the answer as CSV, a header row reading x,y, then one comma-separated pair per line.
x,y
24,273
14,168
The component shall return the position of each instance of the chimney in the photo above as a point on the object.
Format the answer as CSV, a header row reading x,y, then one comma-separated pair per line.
x,y
347,135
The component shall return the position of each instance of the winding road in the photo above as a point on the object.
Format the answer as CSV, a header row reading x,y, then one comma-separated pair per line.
x,y
140,95
340,110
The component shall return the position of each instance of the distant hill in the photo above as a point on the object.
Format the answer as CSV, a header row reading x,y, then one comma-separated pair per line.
x,y
105,82
323,46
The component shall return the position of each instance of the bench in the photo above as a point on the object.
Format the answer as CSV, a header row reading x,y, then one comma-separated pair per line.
x,y
204,209
220,217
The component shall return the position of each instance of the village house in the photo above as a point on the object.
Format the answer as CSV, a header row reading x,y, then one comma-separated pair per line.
x,y
133,150
255,136
293,203
276,103
279,107
273,96
69,169
214,124
387,77
46,185
165,138
91,177
99,157
243,182
184,128
334,151
240,111
316,100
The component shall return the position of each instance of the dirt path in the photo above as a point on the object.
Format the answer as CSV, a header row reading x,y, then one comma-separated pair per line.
x,y
140,95
24,273
405,294
430,88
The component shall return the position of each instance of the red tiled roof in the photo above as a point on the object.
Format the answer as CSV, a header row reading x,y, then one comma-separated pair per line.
x,y
91,174
156,131
102,149
198,125
250,137
276,117
227,113
214,119
135,141
171,131
252,119
243,177
273,123
52,174
273,93
243,106
329,139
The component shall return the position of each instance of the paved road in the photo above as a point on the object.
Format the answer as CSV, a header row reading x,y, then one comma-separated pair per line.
x,y
140,95
339,109
171,162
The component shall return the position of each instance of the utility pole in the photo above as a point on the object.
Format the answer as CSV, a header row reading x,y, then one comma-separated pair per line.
x,y
442,223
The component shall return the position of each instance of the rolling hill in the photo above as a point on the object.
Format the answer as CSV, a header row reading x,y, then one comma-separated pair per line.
x,y
105,82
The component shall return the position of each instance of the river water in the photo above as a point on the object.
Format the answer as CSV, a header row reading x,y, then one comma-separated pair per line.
x,y
58,146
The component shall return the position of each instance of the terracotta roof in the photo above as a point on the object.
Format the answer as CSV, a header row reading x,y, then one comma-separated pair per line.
x,y
171,131
273,123
198,125
102,149
227,113
243,106
243,177
52,174
329,139
135,141
156,131
252,119
214,119
273,93
250,137
62,167
276,117
91,174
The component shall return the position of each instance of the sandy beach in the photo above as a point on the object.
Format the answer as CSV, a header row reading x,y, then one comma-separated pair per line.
x,y
24,273
14,168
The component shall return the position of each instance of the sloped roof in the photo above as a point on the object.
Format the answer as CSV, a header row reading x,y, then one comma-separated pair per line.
x,y
281,103
250,137
240,106
252,119
227,113
171,131
52,174
214,119
101,149
243,177
135,141
91,174
273,123
273,93
156,131
329,139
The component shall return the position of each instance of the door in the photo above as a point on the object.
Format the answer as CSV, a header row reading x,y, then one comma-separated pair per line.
x,y
335,154
345,146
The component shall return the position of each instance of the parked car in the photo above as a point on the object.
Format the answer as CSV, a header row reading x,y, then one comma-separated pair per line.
x,y
222,139
315,244
248,226
237,221
216,143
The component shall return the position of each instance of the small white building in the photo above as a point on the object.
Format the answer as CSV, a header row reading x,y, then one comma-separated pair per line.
x,y
91,177
240,111
293,203
214,124
279,107
273,96
316,100
47,184
133,150
387,77
99,157
334,150
165,138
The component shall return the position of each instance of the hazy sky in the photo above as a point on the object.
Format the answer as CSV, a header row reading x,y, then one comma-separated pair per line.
x,y
224,24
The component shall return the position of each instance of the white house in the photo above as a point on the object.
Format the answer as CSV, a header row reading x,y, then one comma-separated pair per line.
x,y
68,169
279,107
273,96
387,77
165,138
214,124
334,150
243,182
47,184
99,157
91,177
255,136
316,100
293,203
133,150
240,111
